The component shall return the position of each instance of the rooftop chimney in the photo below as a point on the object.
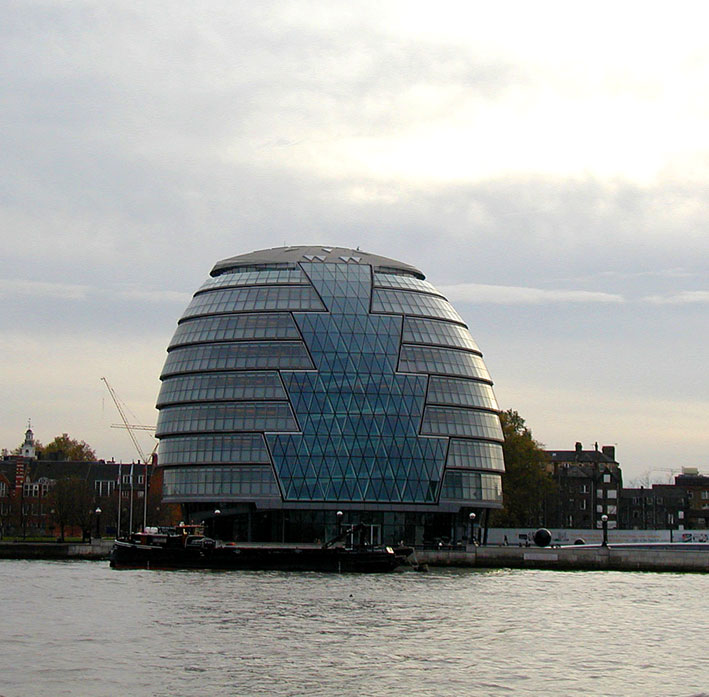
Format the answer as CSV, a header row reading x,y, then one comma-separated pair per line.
x,y
579,447
609,451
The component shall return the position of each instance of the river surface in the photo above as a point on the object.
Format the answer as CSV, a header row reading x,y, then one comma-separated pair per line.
x,y
80,628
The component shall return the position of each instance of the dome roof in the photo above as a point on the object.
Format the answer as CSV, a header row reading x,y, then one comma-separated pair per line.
x,y
313,253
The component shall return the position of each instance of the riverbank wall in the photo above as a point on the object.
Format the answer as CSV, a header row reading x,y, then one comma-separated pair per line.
x,y
677,558
693,558
96,549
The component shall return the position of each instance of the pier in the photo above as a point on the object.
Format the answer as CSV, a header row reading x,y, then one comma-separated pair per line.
x,y
661,557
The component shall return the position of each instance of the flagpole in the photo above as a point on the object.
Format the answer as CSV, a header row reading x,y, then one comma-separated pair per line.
x,y
120,499
145,496
130,508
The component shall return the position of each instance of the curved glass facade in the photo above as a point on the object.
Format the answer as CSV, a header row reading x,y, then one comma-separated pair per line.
x,y
305,380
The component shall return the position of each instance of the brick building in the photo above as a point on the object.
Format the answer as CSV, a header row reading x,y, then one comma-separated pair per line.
x,y
589,483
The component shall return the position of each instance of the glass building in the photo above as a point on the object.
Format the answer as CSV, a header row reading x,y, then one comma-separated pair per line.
x,y
307,387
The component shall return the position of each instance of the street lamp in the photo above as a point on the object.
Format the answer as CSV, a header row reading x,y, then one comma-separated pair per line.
x,y
98,522
604,522
339,515
471,535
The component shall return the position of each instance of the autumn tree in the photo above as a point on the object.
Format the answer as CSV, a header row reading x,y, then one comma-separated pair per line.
x,y
65,448
526,483
18,450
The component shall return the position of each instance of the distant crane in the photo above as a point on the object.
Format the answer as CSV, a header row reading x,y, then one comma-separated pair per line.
x,y
146,460
129,427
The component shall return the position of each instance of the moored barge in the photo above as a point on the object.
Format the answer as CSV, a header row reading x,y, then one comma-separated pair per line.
x,y
184,547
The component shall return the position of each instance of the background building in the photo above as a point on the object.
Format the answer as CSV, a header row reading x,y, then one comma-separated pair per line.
x,y
41,497
306,381
589,483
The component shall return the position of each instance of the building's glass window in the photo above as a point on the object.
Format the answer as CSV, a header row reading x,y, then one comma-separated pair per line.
x,y
227,416
611,509
427,359
292,298
3,489
359,419
449,421
251,326
471,454
606,478
104,487
30,490
403,302
582,504
198,449
221,482
584,488
390,280
471,486
463,393
217,387
265,277
252,355
436,332
599,493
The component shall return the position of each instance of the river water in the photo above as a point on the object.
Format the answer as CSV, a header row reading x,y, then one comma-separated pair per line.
x,y
80,628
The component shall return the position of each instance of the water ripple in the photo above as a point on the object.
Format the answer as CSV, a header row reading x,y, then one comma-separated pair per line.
x,y
81,629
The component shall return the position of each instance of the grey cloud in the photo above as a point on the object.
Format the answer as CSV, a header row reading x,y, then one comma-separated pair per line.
x,y
685,297
41,289
476,293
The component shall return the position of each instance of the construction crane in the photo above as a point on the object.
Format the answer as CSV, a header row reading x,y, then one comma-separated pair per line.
x,y
145,459
129,427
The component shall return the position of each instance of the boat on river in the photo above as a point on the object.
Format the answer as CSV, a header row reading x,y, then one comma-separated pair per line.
x,y
186,547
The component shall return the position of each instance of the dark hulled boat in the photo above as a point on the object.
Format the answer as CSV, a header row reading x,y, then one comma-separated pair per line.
x,y
185,548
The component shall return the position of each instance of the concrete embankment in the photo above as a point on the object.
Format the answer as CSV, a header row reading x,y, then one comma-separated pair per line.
x,y
97,549
693,558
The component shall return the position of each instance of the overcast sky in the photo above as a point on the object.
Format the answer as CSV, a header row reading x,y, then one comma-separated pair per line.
x,y
545,164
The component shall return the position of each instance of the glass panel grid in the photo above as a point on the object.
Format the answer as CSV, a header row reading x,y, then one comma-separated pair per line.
x,y
450,421
432,360
409,303
196,449
250,355
386,280
430,331
235,327
462,393
471,454
254,278
220,387
220,482
254,299
229,416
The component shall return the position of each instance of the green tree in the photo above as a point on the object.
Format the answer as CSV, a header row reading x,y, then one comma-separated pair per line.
x,y
65,448
526,484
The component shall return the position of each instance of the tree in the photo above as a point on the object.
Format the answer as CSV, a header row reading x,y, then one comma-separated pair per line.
x,y
72,503
18,450
65,448
526,483
62,504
